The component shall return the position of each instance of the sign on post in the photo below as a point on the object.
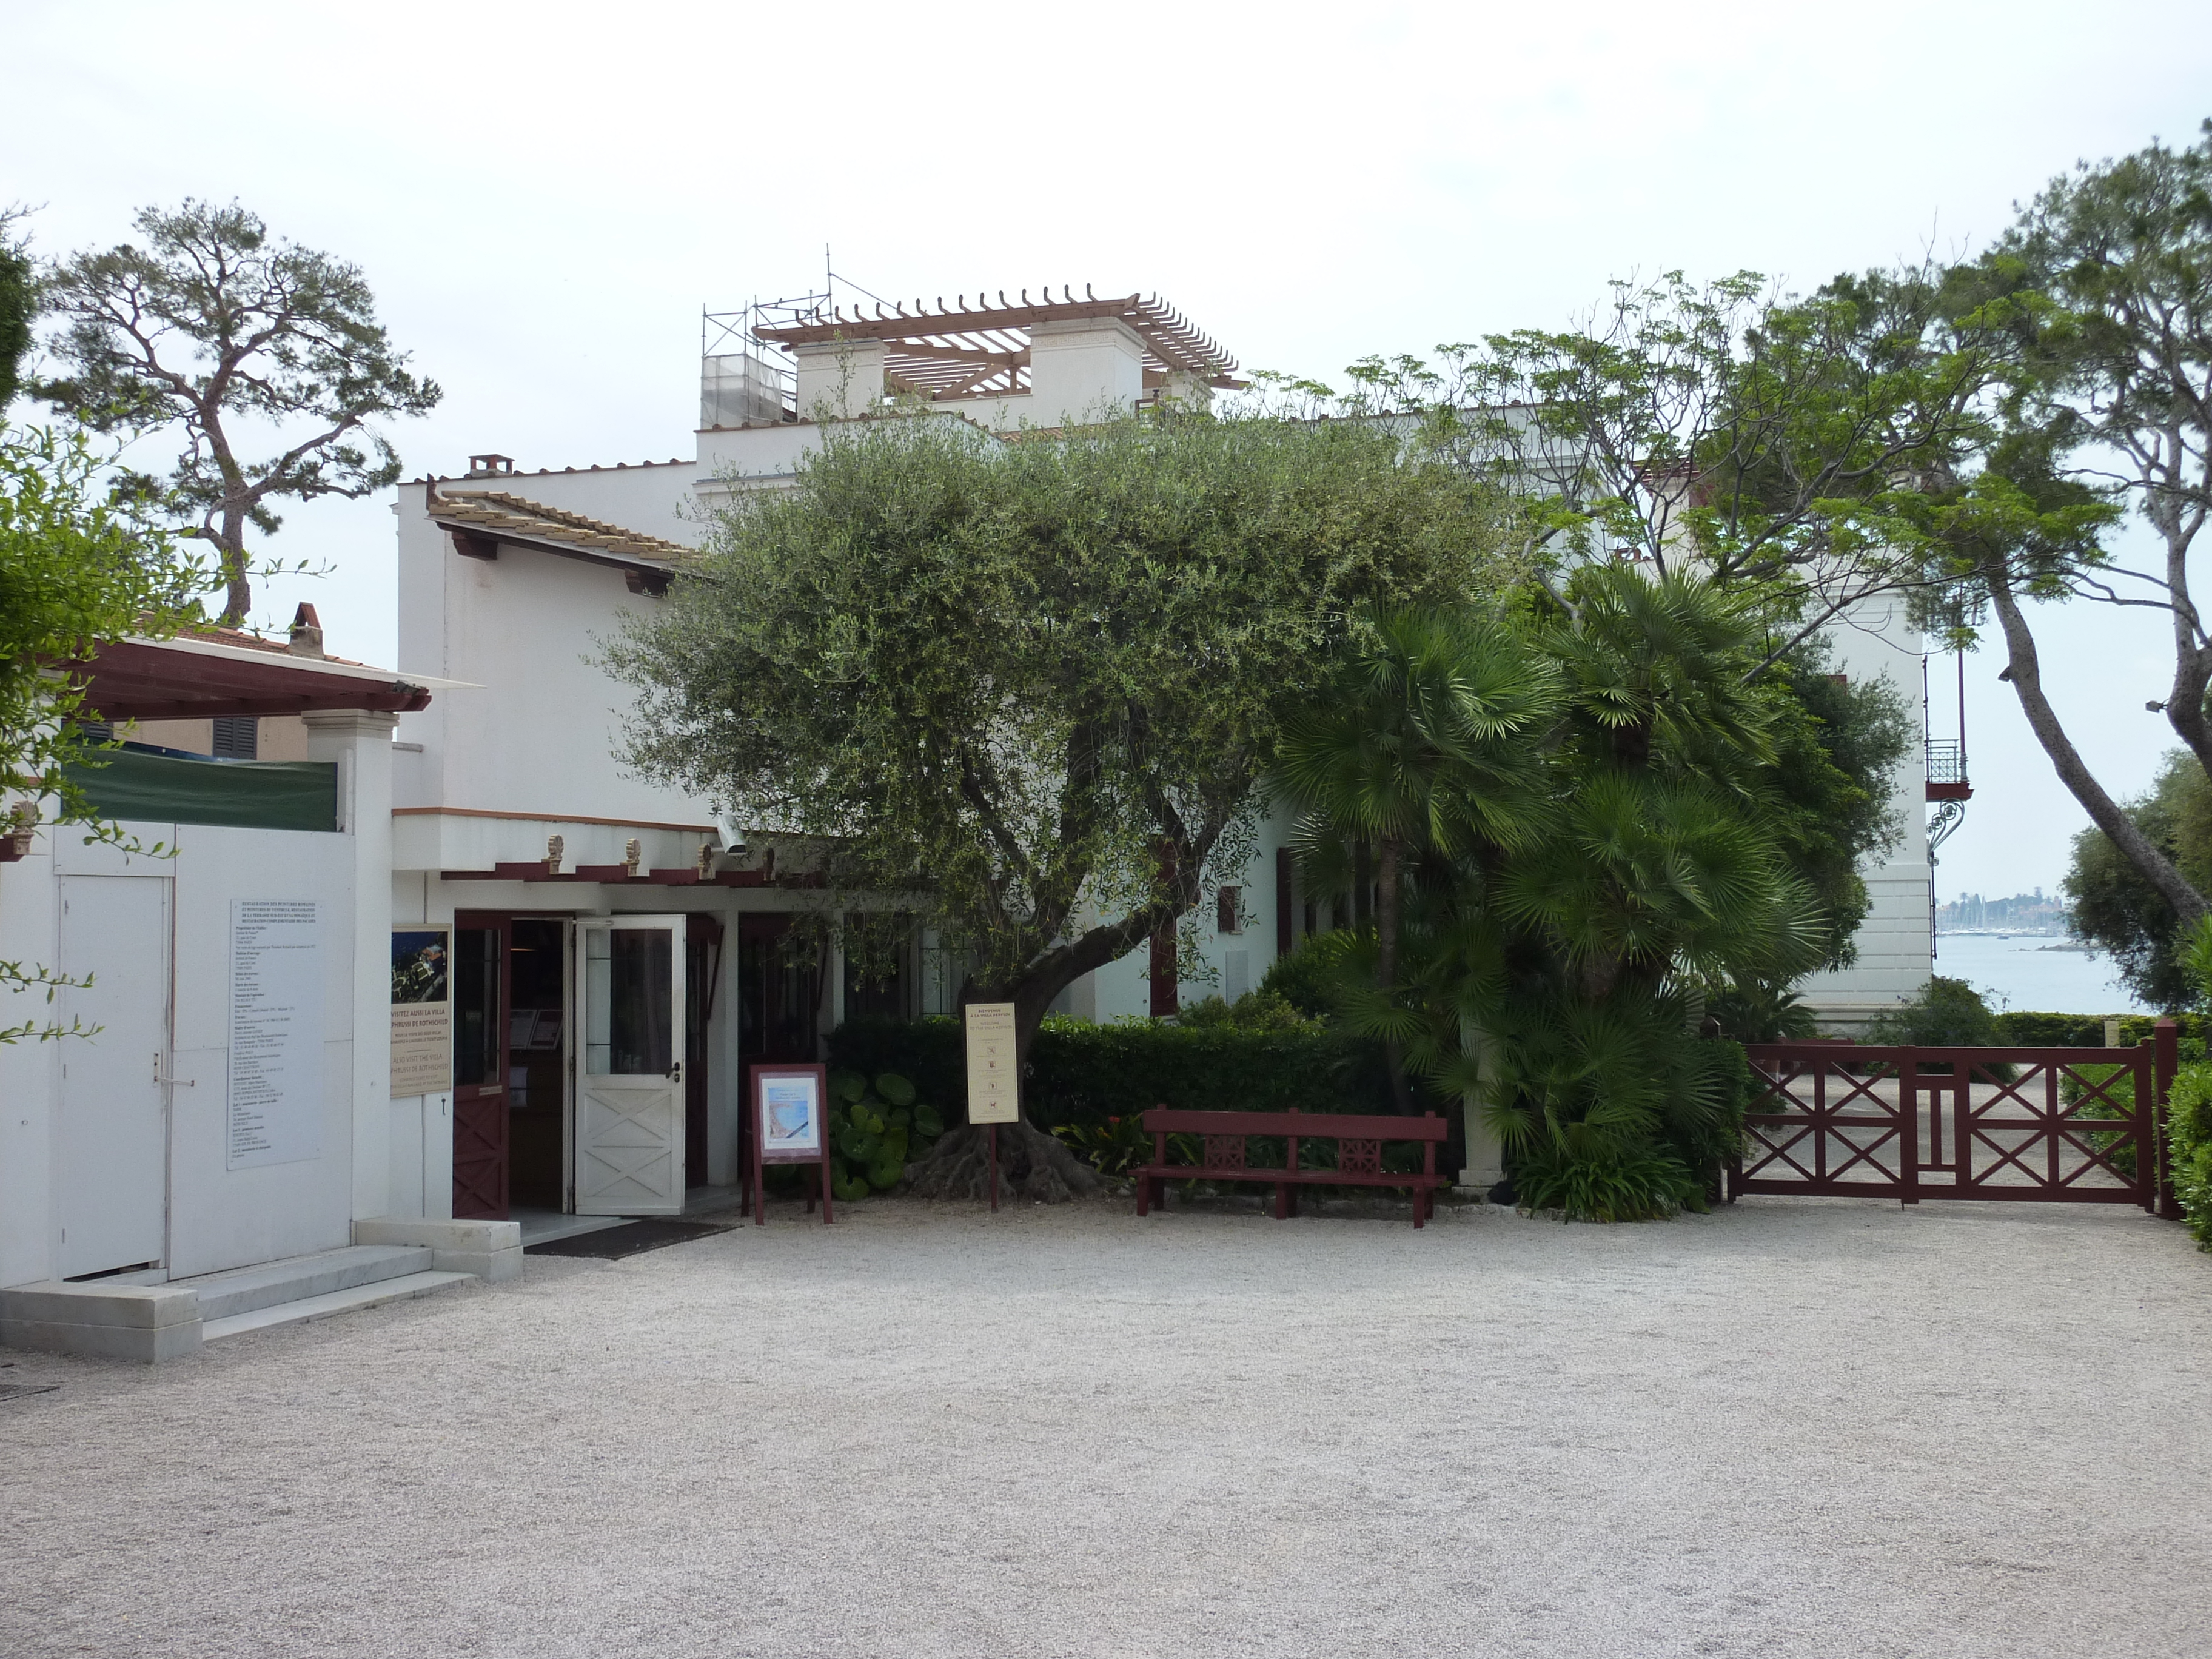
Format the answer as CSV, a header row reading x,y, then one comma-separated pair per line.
x,y
994,1094
422,1011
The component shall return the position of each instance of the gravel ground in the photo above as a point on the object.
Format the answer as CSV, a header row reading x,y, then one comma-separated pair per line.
x,y
1790,1428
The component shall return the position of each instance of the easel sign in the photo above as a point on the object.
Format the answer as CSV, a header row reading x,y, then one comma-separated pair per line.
x,y
994,1084
790,1125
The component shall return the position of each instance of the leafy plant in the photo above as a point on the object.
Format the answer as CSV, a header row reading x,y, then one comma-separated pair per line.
x,y
1607,1182
2189,1131
875,1130
1115,1146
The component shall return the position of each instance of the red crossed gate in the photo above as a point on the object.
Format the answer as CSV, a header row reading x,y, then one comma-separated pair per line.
x,y
1840,1120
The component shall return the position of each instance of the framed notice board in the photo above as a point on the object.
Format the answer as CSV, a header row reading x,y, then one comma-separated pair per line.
x,y
789,1123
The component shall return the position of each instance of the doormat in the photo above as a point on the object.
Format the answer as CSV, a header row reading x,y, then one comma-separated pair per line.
x,y
17,1390
633,1238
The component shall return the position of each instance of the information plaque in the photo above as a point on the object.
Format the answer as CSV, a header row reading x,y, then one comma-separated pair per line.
x,y
995,1093
276,1061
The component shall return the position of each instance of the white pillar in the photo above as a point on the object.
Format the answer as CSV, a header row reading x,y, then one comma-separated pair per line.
x,y
361,745
839,379
1082,370
1485,1158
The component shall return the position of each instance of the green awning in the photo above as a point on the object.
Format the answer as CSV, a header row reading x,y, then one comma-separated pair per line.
x,y
128,783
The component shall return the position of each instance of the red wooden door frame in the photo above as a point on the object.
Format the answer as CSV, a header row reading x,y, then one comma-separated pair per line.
x,y
480,1125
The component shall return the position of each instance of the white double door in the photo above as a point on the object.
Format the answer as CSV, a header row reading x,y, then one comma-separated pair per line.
x,y
630,983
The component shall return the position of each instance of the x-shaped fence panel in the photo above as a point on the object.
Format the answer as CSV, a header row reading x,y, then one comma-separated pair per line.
x,y
1826,1121
1839,1119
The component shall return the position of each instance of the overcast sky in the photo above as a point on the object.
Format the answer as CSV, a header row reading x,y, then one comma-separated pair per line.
x,y
545,197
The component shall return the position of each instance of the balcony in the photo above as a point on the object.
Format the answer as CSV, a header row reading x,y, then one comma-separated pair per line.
x,y
1946,770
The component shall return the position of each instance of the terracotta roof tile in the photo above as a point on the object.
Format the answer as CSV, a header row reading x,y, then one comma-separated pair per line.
x,y
501,513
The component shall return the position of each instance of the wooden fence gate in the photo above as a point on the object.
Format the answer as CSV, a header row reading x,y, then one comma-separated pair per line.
x,y
1843,1120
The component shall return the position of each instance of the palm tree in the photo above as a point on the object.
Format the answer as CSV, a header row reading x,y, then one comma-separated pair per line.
x,y
1425,745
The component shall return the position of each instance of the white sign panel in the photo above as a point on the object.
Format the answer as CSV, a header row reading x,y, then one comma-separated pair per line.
x,y
994,1089
276,1103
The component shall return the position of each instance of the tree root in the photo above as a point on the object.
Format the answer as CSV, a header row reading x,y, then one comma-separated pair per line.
x,y
1031,1164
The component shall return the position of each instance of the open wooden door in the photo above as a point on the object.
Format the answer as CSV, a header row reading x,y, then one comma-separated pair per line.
x,y
480,1067
630,980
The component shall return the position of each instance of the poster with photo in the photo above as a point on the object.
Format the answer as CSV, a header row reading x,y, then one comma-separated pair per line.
x,y
421,1012
790,1115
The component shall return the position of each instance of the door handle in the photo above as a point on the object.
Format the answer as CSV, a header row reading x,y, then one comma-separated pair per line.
x,y
170,1078
676,1072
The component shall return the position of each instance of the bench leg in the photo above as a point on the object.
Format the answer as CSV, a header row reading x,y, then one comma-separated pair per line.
x,y
1282,1200
1144,1194
1420,1201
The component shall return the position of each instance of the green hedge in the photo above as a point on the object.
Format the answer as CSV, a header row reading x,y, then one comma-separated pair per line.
x,y
2027,1030
2189,1130
1082,1074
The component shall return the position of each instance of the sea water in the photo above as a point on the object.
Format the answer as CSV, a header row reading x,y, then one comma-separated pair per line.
x,y
2028,971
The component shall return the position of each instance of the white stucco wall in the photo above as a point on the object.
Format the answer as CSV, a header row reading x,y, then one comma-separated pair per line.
x,y
1896,942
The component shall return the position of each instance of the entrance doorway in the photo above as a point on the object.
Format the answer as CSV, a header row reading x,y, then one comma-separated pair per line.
x,y
779,991
113,1133
620,1004
480,1066
510,1064
536,1056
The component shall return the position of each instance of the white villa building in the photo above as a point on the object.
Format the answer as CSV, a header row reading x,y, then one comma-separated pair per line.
x,y
608,942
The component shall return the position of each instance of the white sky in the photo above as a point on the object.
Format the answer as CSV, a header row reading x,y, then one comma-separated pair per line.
x,y
543,197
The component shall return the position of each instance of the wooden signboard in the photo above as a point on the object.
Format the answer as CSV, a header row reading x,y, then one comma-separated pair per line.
x,y
422,1011
790,1125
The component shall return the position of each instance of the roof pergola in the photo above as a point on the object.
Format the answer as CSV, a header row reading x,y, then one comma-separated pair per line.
x,y
982,350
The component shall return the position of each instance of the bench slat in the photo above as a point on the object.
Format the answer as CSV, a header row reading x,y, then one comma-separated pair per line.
x,y
1300,1177
1326,1125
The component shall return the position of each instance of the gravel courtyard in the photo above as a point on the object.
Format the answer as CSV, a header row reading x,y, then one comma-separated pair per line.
x,y
1787,1428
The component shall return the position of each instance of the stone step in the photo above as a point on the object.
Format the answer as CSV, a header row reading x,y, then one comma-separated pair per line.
x,y
245,1290
373,1295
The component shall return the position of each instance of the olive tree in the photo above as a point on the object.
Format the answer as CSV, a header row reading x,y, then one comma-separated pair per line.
x,y
1033,682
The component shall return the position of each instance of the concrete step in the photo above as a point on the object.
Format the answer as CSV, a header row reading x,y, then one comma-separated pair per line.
x,y
245,1290
351,1300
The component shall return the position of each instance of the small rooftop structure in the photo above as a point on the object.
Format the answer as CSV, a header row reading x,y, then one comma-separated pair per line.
x,y
983,351
1064,354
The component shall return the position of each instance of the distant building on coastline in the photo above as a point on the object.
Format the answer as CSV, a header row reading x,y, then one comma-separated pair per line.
x,y
2023,913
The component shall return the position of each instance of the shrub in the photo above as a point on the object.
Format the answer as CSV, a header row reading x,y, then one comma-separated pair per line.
x,y
2189,1130
1948,1013
1308,976
2027,1030
875,1130
1080,1075
1262,1010
1604,1182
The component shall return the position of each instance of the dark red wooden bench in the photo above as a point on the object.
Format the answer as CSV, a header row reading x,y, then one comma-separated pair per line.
x,y
1359,1139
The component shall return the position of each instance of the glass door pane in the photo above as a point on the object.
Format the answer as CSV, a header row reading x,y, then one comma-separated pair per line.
x,y
630,1011
477,1012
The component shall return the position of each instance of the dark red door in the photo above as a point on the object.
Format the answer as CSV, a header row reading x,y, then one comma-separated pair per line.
x,y
480,1067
